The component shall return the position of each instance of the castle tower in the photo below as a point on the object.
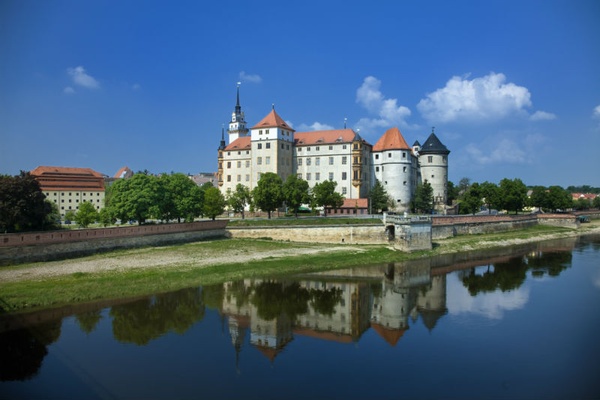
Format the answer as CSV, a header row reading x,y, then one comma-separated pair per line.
x,y
272,142
395,167
237,126
220,158
433,159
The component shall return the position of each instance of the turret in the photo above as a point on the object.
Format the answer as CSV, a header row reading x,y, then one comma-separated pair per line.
x,y
433,160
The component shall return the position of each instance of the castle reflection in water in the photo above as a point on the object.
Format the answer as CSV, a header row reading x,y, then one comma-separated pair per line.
x,y
333,306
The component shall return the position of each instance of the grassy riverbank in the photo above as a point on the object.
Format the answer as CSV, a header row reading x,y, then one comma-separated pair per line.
x,y
137,272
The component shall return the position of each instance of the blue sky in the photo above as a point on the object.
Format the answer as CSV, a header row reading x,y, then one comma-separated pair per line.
x,y
512,87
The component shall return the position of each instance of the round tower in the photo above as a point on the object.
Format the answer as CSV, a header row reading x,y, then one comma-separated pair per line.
x,y
433,161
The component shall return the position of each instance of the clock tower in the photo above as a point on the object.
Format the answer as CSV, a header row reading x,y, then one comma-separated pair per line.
x,y
237,126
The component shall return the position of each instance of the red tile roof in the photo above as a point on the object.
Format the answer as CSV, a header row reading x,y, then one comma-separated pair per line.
x,y
68,178
242,143
272,120
325,137
352,203
391,336
392,139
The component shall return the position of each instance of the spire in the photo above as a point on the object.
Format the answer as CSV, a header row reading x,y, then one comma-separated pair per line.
x,y
238,108
222,144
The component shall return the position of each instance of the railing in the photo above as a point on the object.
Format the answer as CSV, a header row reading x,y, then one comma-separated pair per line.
x,y
404,219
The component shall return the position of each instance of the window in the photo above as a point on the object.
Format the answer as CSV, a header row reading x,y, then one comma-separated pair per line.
x,y
403,169
403,154
377,156
299,176
308,161
228,178
247,163
281,146
308,149
247,177
389,155
317,176
317,160
239,164
344,176
376,169
299,149
404,183
266,131
228,166
331,176
239,178
344,147
260,132
259,146
299,161
330,160
344,190
308,176
344,160
259,160
239,153
268,160
318,148
429,159
330,147
267,145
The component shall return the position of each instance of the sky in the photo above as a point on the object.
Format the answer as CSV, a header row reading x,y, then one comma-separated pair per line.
x,y
512,88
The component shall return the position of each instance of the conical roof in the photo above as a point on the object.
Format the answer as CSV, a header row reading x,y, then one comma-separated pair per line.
x,y
433,145
392,139
272,120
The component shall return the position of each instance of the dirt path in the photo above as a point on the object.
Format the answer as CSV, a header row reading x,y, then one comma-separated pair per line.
x,y
144,258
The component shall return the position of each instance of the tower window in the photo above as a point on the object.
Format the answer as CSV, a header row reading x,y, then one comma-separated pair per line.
x,y
267,145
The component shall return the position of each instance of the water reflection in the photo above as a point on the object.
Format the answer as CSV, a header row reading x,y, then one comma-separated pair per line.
x,y
335,306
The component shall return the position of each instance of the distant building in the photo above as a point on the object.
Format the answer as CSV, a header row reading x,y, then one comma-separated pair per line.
x,y
339,155
123,173
69,187
202,178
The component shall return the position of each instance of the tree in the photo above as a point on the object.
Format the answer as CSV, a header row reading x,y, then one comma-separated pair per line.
x,y
86,215
539,197
582,204
489,195
268,193
106,217
559,198
22,205
214,203
452,193
295,193
325,195
180,198
423,201
379,198
596,202
512,194
463,185
239,199
137,198
471,200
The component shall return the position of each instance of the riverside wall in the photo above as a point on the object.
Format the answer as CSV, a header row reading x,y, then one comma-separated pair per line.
x,y
18,248
351,234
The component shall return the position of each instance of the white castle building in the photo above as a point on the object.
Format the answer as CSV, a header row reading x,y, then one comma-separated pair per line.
x,y
340,155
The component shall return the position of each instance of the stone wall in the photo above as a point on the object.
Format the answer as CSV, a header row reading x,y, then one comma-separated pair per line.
x,y
46,246
353,234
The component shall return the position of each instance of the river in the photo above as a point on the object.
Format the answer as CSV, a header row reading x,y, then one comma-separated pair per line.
x,y
504,324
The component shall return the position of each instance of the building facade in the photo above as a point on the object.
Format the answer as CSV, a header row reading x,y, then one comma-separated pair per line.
x,y
339,155
69,187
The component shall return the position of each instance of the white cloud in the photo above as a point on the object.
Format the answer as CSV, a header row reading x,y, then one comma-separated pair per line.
x,y
597,112
542,116
317,126
81,78
485,98
387,111
244,77
68,90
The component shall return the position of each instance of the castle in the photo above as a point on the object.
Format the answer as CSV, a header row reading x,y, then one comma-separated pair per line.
x,y
340,155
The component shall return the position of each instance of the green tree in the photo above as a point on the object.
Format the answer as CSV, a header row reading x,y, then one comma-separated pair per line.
x,y
539,197
379,198
489,195
214,203
137,198
596,202
69,216
180,198
324,195
53,217
512,194
559,198
463,185
423,200
295,193
239,199
452,193
86,215
106,217
582,204
22,204
268,193
471,200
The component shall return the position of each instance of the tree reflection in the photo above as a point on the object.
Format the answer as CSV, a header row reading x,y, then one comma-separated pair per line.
x,y
504,276
22,351
324,301
550,263
272,298
144,320
89,320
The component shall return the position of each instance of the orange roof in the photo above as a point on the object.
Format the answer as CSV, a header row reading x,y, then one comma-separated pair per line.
x,y
242,143
124,172
324,335
272,120
68,178
392,139
389,335
351,203
325,137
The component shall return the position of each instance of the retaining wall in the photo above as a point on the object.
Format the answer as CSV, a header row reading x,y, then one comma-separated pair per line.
x,y
354,234
46,246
